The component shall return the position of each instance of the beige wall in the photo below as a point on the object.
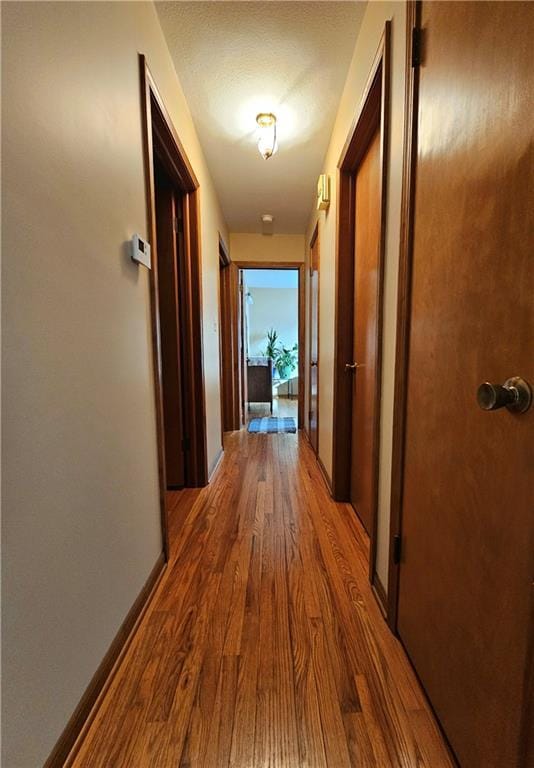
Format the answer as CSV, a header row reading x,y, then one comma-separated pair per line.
x,y
80,495
272,308
250,247
368,39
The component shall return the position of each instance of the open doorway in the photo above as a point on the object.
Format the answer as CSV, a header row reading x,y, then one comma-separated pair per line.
x,y
176,309
271,340
170,254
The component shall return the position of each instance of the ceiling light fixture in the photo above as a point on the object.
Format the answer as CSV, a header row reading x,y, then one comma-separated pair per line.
x,y
267,143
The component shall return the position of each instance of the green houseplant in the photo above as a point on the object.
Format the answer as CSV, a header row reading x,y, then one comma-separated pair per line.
x,y
271,349
286,361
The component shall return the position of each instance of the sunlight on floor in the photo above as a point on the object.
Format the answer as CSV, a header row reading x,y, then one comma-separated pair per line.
x,y
282,406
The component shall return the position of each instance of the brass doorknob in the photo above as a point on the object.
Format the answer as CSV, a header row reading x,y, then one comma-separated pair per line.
x,y
351,366
515,394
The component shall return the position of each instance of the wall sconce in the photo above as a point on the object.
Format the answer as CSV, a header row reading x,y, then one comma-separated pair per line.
x,y
267,143
323,192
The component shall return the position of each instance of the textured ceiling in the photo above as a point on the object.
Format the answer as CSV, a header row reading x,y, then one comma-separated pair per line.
x,y
235,59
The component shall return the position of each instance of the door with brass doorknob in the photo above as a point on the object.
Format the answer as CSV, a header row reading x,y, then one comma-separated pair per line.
x,y
466,572
363,368
515,395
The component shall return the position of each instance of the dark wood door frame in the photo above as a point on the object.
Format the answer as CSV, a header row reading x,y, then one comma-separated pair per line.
x,y
314,239
373,113
403,312
301,267
229,335
160,137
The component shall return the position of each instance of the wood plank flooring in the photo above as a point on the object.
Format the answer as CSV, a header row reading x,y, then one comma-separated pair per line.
x,y
264,646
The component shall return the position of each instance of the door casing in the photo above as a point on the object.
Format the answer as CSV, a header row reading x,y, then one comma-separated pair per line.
x,y
373,112
228,339
301,316
315,261
160,135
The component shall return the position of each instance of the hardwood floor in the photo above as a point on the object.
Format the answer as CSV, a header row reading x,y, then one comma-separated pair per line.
x,y
264,645
282,406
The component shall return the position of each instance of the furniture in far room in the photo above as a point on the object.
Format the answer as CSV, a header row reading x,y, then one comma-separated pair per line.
x,y
286,387
260,380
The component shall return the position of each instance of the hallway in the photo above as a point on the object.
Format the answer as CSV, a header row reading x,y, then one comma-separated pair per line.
x,y
264,645
321,209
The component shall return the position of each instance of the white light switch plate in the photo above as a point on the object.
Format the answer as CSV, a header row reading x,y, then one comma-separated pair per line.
x,y
141,251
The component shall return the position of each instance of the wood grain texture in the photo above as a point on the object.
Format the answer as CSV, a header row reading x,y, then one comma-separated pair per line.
x,y
313,415
372,115
403,313
168,208
264,645
365,339
466,573
161,140
229,348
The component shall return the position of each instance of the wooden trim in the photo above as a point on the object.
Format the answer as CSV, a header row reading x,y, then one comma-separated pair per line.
x,y
72,737
224,253
301,266
175,154
194,388
527,718
302,343
223,381
315,238
403,309
373,113
326,476
229,332
385,109
227,375
269,264
216,463
161,138
380,594
154,294
235,340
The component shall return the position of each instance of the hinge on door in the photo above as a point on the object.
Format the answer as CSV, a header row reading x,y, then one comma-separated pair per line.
x,y
178,224
397,548
186,444
310,415
416,46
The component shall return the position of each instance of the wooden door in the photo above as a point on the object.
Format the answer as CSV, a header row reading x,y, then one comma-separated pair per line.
x,y
169,246
466,577
313,423
365,345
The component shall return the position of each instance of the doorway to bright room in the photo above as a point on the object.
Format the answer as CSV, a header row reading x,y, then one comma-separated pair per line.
x,y
270,344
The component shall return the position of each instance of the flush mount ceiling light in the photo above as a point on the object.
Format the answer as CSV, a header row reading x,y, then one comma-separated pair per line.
x,y
267,144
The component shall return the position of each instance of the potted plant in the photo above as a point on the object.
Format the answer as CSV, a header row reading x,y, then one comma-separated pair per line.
x,y
272,349
286,361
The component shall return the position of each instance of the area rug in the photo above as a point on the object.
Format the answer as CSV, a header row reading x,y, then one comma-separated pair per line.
x,y
270,424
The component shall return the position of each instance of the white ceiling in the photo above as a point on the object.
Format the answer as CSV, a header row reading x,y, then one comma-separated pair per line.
x,y
235,59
